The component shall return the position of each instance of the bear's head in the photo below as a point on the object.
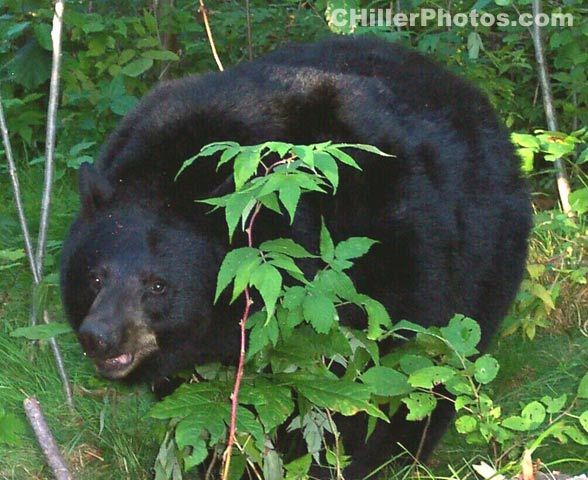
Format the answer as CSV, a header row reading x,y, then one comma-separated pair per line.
x,y
138,284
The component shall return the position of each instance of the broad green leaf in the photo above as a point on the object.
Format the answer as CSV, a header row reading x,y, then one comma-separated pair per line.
x,y
377,317
342,157
486,369
576,434
245,166
554,405
298,469
284,262
463,334
344,397
386,381
466,424
294,297
584,420
535,413
353,247
286,246
236,205
268,281
419,405
305,153
41,332
412,363
231,263
430,376
243,275
319,311
137,67
516,423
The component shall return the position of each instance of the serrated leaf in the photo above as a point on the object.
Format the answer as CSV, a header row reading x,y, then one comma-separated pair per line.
x,y
342,396
245,166
386,381
319,311
286,246
230,265
289,195
243,275
342,157
305,153
486,368
430,376
353,247
377,317
268,282
327,247
328,167
284,262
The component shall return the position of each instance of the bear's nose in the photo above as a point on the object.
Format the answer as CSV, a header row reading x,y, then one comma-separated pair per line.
x,y
95,338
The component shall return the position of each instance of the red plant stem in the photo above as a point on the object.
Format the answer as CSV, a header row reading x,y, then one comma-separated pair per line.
x,y
241,365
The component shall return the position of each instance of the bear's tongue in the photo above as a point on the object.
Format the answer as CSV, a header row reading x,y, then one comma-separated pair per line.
x,y
119,361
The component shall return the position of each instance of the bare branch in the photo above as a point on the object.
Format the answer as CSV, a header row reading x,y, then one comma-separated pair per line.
x,y
46,440
50,137
561,175
209,35
17,195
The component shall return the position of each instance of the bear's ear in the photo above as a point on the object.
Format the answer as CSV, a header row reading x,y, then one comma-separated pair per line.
x,y
95,190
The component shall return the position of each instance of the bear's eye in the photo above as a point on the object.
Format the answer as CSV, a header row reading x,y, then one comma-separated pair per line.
x,y
158,287
96,282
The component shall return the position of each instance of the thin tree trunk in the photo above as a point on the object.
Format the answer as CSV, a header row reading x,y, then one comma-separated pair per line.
x,y
561,175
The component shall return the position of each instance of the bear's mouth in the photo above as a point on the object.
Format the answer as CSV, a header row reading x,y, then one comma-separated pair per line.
x,y
116,367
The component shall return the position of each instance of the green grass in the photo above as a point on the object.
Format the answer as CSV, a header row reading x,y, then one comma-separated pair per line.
x,y
110,437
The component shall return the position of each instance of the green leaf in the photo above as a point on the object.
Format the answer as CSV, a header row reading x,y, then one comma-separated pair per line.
x,y
554,405
466,424
286,246
386,381
319,311
237,204
137,67
41,332
298,469
463,334
430,376
516,423
575,434
486,369
584,420
412,363
305,153
419,405
535,413
583,387
160,55
243,275
289,195
268,281
342,157
284,262
377,317
327,247
328,167
231,263
353,247
342,396
245,166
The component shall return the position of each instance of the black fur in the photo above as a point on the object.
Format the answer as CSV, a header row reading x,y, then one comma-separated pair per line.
x,y
451,211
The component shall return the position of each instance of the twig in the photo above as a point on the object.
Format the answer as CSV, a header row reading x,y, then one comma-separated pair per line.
x,y
235,395
17,194
249,40
45,438
50,137
561,175
209,35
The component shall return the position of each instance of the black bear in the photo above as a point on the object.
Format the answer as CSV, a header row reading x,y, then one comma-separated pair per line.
x,y
451,211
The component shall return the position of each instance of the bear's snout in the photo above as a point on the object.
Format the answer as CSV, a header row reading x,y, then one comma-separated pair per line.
x,y
97,339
